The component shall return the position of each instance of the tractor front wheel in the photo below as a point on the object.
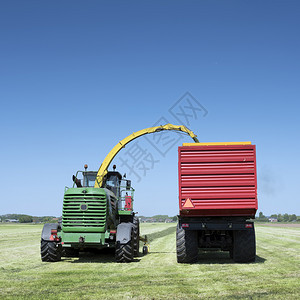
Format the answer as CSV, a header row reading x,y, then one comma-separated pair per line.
x,y
124,252
50,251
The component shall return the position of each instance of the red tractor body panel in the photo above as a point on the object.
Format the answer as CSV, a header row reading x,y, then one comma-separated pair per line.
x,y
219,180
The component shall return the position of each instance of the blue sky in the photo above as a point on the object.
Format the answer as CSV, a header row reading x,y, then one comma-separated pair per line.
x,y
76,77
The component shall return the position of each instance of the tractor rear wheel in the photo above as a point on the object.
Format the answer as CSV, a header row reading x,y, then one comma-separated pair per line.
x,y
124,252
186,245
244,248
50,251
136,236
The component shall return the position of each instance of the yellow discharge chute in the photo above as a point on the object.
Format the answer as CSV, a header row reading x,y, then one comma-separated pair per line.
x,y
110,156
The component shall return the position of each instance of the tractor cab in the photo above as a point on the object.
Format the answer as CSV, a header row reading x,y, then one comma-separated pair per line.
x,y
87,179
113,181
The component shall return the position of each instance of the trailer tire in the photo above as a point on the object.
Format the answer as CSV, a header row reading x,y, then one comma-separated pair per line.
x,y
244,248
136,236
50,251
186,245
124,252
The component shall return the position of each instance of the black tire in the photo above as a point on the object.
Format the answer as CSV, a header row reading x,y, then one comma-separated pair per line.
x,y
70,252
124,252
145,250
136,236
50,251
244,248
186,245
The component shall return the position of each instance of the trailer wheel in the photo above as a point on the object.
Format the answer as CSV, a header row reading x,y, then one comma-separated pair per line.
x,y
124,252
136,236
244,248
50,251
186,245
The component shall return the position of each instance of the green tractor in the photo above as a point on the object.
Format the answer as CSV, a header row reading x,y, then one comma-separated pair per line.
x,y
97,211
94,218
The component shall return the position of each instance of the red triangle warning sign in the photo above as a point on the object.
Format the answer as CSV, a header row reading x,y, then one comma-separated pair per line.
x,y
188,203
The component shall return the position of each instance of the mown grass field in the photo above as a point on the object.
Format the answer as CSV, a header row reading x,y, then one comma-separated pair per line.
x,y
274,275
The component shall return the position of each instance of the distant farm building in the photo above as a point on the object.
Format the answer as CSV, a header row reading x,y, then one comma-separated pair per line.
x,y
273,220
11,221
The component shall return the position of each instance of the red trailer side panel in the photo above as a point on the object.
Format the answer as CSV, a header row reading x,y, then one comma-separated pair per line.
x,y
219,180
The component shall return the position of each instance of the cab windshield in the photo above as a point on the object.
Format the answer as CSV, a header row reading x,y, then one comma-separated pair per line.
x,y
113,183
89,179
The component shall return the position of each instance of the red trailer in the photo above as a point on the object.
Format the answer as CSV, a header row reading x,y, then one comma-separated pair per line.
x,y
217,197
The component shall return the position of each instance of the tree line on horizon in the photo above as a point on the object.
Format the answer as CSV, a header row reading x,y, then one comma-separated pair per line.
x,y
279,217
27,218
22,218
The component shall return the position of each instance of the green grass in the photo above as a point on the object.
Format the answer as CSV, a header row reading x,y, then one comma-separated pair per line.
x,y
155,276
